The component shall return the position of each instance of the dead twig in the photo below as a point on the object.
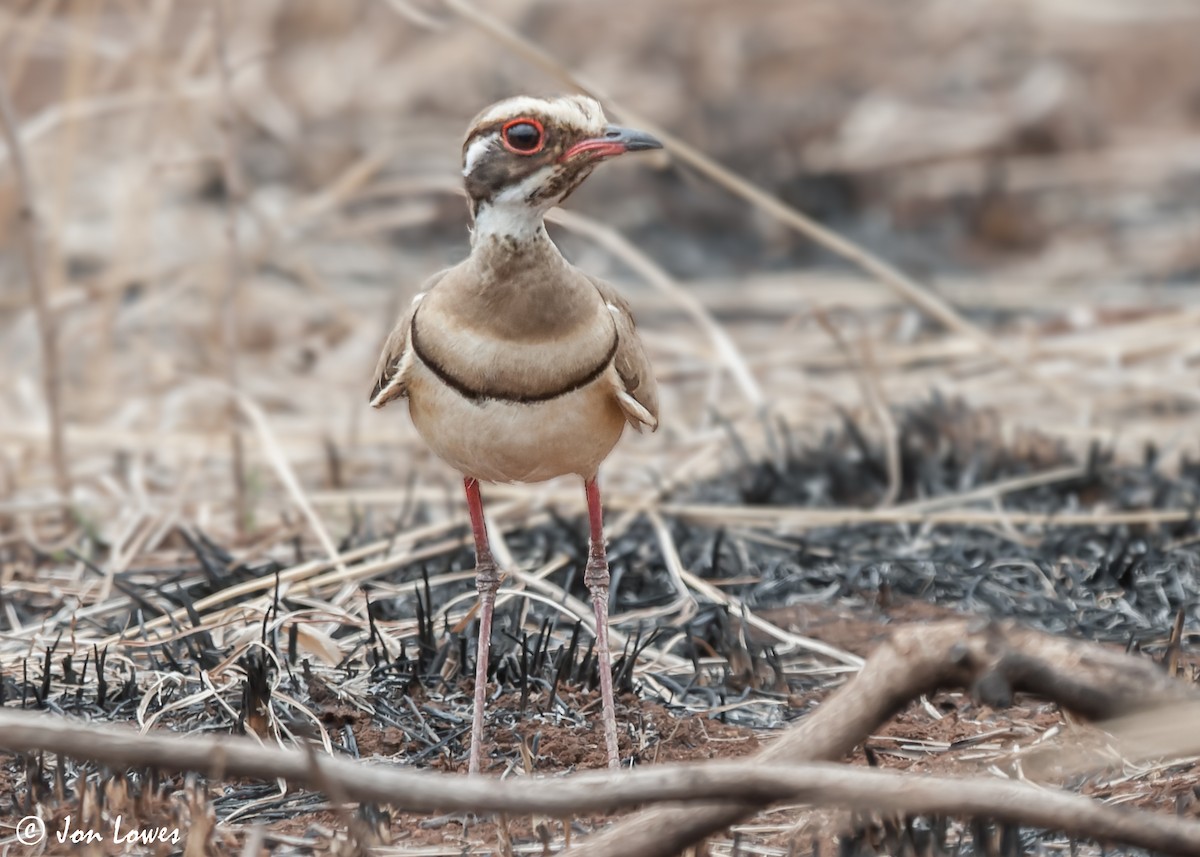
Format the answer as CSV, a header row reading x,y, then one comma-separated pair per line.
x,y
28,236
755,785
795,518
995,660
287,475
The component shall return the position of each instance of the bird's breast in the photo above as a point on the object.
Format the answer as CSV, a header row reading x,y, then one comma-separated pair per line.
x,y
488,362
499,441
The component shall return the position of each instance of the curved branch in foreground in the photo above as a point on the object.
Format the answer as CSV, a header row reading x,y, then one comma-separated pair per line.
x,y
992,659
756,785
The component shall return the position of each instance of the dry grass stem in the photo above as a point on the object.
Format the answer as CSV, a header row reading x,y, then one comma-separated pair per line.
x,y
230,302
287,476
30,241
873,397
905,286
653,273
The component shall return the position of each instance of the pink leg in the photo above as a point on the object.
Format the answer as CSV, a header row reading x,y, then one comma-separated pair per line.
x,y
596,578
487,581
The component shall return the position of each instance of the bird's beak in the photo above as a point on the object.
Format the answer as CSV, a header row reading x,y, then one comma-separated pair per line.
x,y
614,141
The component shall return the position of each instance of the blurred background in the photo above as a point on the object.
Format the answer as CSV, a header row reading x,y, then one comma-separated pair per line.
x,y
1034,163
211,215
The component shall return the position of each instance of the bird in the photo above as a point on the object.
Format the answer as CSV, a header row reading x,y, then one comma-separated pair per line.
x,y
518,366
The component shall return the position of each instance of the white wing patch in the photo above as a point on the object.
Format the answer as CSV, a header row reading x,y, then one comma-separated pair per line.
x,y
633,408
402,365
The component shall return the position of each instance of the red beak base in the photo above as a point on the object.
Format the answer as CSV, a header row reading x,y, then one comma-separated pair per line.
x,y
616,141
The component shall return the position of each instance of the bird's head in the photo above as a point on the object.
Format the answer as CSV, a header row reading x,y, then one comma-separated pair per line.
x,y
524,155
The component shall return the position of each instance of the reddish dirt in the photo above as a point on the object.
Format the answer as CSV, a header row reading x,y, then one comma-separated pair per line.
x,y
855,630
658,736
946,734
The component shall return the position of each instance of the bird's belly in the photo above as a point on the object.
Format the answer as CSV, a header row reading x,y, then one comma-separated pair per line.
x,y
498,441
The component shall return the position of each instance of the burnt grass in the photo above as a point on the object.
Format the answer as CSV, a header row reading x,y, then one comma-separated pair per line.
x,y
1124,585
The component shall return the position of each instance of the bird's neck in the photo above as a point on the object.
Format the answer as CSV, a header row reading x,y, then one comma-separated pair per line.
x,y
509,246
508,223
520,284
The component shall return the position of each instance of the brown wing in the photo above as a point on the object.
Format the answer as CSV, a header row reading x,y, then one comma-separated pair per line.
x,y
639,398
389,371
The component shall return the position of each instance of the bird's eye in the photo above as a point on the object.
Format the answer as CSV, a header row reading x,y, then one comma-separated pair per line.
x,y
523,136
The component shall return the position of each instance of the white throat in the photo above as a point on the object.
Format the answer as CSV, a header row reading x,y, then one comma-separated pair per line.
x,y
518,221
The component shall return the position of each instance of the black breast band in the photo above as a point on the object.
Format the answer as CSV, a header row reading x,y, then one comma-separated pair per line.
x,y
500,395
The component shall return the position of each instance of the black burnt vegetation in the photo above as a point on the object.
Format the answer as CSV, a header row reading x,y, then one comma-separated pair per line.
x,y
396,685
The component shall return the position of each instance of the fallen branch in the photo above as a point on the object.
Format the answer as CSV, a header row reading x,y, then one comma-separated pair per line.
x,y
804,517
756,785
994,660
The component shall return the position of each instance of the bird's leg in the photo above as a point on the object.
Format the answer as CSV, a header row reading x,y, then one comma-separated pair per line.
x,y
596,578
487,581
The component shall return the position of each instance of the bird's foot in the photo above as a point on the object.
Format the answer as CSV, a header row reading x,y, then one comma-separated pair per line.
x,y
487,581
595,573
599,593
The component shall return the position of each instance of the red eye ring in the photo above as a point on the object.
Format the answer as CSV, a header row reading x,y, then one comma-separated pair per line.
x,y
524,120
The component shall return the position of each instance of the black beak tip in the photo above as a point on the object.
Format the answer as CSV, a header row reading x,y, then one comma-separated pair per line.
x,y
632,139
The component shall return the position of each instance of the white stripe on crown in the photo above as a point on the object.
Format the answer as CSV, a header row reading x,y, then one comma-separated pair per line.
x,y
575,111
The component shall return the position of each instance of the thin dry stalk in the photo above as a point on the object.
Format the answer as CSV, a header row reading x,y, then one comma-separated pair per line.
x,y
996,490
315,574
30,240
287,476
79,76
905,286
230,300
736,605
872,393
59,116
653,273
